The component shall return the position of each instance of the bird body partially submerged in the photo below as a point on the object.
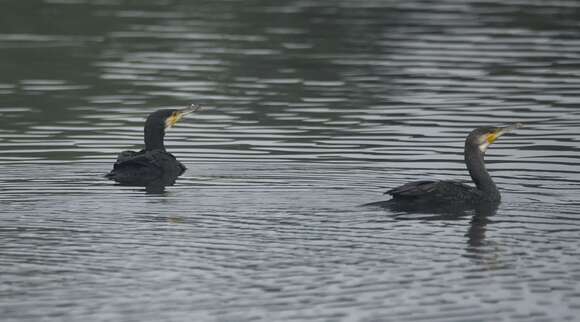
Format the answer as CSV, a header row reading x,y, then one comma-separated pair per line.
x,y
152,164
143,167
448,194
441,191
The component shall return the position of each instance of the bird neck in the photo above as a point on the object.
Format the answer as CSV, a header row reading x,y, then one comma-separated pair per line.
x,y
474,159
154,134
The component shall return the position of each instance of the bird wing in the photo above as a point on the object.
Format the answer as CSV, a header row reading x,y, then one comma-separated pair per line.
x,y
144,166
415,188
139,164
426,188
127,155
135,167
137,160
155,161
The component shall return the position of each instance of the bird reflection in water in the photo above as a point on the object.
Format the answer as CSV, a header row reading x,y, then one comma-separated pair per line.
x,y
477,248
153,167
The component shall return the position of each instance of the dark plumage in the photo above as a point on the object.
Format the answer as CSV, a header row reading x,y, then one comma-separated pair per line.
x,y
448,194
152,164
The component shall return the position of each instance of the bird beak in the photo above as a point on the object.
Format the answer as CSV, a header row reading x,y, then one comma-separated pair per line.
x,y
179,114
190,109
501,131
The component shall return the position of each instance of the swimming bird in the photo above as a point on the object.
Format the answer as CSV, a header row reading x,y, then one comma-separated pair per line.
x,y
449,194
153,163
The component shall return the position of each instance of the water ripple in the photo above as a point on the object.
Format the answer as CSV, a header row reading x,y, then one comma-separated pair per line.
x,y
309,110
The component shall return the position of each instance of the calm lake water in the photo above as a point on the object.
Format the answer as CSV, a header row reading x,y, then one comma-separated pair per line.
x,y
311,108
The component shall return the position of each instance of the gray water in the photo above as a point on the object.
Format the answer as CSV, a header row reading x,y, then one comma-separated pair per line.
x,y
311,108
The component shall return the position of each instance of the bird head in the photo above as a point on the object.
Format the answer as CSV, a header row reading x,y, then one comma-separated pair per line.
x,y
483,137
172,116
166,118
160,120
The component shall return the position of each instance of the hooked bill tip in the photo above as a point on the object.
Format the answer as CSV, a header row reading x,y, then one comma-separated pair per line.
x,y
511,127
191,109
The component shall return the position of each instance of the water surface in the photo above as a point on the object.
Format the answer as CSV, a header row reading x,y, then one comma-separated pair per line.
x,y
310,109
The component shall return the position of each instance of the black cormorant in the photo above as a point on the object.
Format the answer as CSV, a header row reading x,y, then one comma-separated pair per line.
x,y
152,164
448,194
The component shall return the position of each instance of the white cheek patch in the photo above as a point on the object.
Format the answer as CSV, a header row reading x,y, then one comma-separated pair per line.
x,y
168,122
483,147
